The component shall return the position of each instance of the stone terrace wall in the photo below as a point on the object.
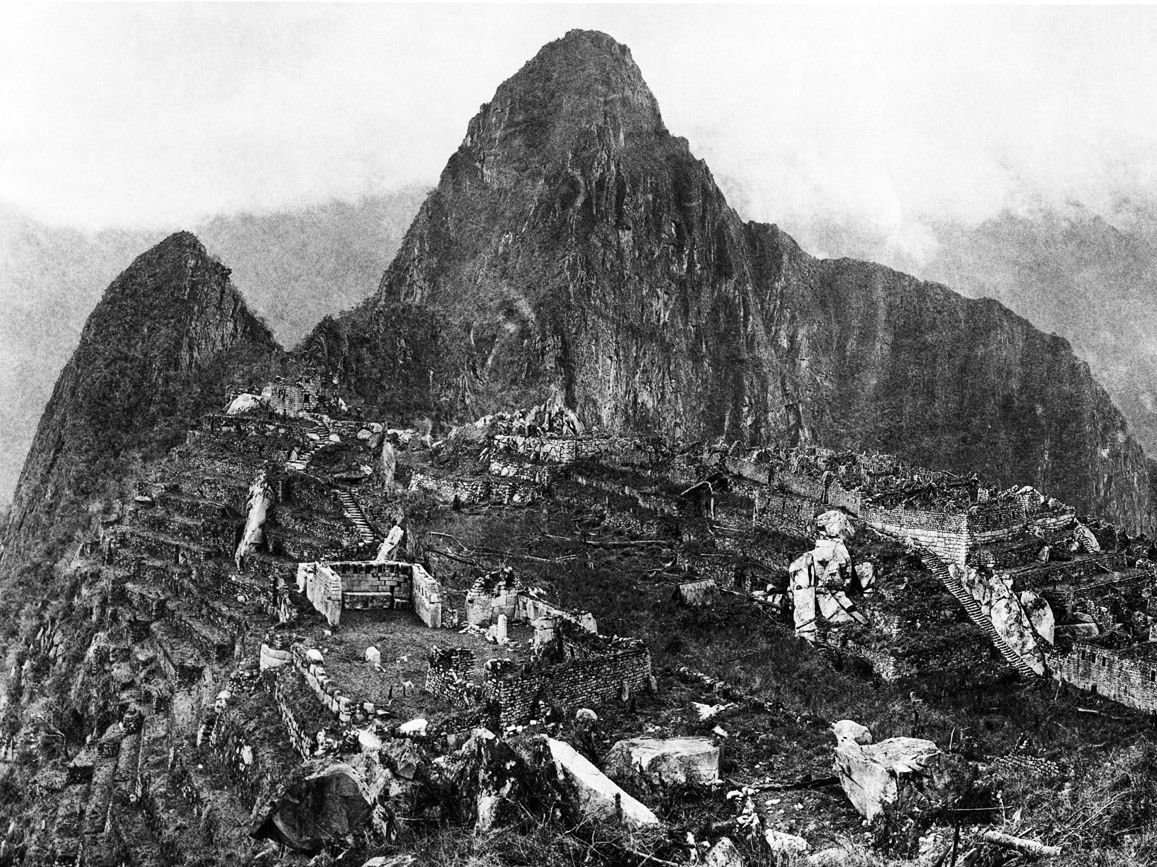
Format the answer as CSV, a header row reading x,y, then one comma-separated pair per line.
x,y
589,682
800,485
942,533
785,512
471,491
1132,682
996,520
540,474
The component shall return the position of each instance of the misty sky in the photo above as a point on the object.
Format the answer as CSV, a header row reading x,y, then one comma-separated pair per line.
x,y
159,115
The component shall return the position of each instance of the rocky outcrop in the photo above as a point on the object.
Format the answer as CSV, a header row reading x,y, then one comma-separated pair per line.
x,y
156,352
575,248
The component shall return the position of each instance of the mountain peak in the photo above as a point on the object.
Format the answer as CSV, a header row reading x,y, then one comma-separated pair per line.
x,y
155,352
580,88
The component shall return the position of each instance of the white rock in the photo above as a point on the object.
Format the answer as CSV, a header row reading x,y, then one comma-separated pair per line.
x,y
597,794
273,658
724,854
870,773
415,727
665,761
313,655
243,403
784,845
847,730
368,741
373,656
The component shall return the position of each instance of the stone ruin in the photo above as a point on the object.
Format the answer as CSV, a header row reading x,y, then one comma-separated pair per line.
x,y
334,586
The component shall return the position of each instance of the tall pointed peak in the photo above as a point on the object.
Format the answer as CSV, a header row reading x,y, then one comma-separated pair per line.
x,y
576,89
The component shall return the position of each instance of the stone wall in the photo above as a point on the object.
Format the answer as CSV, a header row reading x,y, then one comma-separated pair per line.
x,y
1132,682
800,485
996,520
322,586
540,474
839,497
470,491
942,533
789,513
427,596
531,608
748,469
293,704
590,682
360,584
491,595
448,675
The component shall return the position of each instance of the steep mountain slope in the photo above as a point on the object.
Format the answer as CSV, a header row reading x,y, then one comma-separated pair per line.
x,y
157,350
574,247
1077,274
1084,274
295,266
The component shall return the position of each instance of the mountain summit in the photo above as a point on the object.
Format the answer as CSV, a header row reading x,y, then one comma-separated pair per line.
x,y
574,248
154,353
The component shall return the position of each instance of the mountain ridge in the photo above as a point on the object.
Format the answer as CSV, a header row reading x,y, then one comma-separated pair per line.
x,y
586,254
156,351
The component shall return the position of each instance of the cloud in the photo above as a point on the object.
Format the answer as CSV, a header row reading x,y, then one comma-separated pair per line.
x,y
136,115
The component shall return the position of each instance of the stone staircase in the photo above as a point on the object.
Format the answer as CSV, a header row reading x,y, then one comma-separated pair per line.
x,y
354,513
317,438
940,569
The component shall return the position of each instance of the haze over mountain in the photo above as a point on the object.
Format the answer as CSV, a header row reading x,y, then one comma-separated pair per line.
x,y
574,248
1089,276
293,267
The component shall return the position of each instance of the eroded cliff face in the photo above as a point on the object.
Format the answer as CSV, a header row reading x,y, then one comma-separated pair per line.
x,y
156,351
574,247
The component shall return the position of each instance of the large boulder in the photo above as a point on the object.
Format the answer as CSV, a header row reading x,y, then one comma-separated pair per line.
x,y
596,795
318,804
485,782
244,403
870,774
724,854
664,761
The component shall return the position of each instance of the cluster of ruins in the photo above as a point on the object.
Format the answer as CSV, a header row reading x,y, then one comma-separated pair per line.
x,y
288,510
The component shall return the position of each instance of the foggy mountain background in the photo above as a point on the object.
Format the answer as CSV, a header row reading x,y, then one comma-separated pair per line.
x,y
293,268
1004,151
1086,276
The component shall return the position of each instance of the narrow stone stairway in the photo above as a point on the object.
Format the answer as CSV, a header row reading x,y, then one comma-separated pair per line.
x,y
940,569
356,516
